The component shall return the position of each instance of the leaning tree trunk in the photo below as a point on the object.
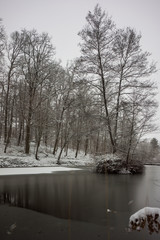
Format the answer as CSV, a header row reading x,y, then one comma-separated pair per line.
x,y
105,101
60,154
37,148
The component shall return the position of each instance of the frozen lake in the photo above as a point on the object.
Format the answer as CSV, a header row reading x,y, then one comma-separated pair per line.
x,y
104,200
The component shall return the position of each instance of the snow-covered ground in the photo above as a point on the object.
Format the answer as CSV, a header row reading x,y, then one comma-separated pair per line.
x,y
16,158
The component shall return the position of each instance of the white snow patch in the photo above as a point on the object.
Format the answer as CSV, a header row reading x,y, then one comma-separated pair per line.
x,y
36,170
107,157
124,171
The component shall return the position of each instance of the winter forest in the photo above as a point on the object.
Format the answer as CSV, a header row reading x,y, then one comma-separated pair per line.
x,y
101,102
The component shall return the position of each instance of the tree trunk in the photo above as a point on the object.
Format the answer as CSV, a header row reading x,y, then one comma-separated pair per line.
x,y
19,135
7,102
28,125
28,132
59,156
97,143
5,122
128,152
27,140
66,150
37,148
130,141
117,109
56,144
77,148
9,130
105,101
86,147
58,133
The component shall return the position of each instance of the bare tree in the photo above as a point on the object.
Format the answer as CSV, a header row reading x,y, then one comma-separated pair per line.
x,y
2,43
13,52
44,109
115,64
9,132
97,37
130,68
37,55
138,112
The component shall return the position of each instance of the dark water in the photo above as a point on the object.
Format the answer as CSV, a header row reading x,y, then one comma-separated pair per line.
x,y
106,200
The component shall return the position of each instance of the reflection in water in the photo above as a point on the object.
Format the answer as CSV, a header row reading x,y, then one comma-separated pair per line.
x,y
106,200
65,195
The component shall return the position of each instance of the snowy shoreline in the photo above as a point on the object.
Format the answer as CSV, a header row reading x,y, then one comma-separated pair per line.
x,y
17,159
29,162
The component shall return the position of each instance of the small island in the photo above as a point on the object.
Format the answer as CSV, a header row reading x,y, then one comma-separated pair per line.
x,y
114,164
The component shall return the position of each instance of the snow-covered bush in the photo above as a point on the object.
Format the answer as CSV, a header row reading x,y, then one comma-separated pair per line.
x,y
114,164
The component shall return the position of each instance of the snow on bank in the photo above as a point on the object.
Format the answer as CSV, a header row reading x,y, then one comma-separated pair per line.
x,y
38,170
148,215
16,158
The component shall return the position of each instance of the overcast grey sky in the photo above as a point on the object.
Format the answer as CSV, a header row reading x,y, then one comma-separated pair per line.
x,y
63,19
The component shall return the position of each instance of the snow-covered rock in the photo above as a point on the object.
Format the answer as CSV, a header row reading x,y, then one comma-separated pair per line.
x,y
146,216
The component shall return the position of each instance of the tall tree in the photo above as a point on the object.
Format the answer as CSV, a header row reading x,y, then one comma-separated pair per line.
x,y
116,66
37,55
97,37
2,42
13,53
2,74
130,68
